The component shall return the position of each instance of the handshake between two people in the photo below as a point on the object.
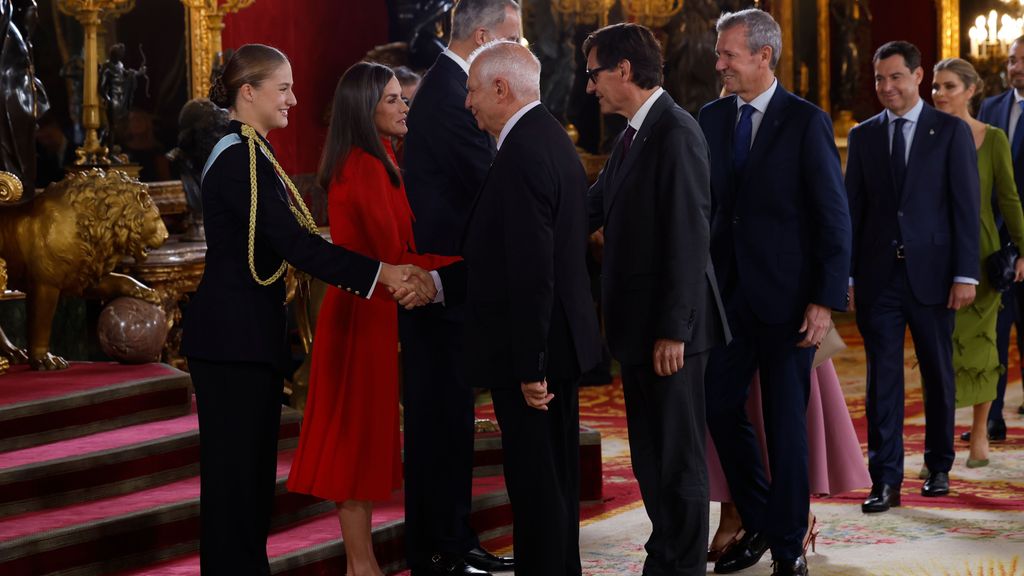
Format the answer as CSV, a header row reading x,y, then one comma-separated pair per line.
x,y
410,286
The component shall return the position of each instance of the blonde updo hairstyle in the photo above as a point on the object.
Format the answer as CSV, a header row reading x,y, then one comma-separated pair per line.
x,y
965,71
251,64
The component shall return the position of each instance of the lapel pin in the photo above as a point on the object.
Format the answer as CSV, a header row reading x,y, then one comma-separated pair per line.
x,y
931,132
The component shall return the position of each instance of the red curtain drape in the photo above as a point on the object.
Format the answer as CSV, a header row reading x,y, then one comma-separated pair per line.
x,y
912,20
322,38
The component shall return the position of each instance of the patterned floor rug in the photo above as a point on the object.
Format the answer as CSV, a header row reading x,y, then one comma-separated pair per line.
x,y
977,531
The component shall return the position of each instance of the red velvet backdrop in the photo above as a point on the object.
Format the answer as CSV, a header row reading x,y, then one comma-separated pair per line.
x,y
322,39
912,20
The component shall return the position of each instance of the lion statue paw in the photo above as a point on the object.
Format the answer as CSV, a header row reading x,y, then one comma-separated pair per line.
x,y
48,361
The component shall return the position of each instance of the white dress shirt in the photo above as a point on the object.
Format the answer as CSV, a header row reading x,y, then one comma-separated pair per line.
x,y
909,127
458,60
760,104
641,114
1014,114
514,119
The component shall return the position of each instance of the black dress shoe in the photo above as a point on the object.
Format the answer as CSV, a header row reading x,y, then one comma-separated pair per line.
x,y
484,560
937,484
448,565
796,567
996,430
882,498
744,554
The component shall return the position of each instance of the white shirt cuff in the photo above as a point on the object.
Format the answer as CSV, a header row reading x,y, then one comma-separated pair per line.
x,y
439,297
851,280
964,280
375,278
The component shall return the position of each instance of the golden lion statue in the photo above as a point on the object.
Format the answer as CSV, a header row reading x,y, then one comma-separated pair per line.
x,y
68,240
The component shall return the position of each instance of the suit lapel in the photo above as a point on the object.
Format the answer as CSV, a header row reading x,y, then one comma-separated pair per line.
x,y
1005,108
636,148
924,134
878,149
774,116
498,157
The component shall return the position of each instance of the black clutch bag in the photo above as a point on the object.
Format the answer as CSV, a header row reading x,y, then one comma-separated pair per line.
x,y
1001,267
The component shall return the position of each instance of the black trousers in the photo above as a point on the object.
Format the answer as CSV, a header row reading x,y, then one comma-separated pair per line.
x,y
779,508
1011,313
883,326
239,417
439,432
541,455
665,418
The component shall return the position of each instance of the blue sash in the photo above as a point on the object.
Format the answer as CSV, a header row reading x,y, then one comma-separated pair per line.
x,y
226,142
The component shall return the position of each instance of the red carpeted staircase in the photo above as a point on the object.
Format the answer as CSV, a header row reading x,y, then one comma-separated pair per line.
x,y
99,475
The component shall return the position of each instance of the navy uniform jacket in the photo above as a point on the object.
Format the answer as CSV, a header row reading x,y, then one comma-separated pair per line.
x,y
231,318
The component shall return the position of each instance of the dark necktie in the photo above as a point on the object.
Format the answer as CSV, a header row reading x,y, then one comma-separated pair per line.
x,y
627,141
744,134
1018,132
899,154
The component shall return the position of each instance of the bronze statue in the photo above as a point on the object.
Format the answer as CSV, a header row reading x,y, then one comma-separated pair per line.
x,y
117,89
200,125
68,241
24,100
850,16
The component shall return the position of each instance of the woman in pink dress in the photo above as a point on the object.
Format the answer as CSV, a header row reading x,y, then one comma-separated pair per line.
x,y
835,463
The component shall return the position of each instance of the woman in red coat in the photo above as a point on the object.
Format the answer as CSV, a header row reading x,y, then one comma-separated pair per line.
x,y
349,447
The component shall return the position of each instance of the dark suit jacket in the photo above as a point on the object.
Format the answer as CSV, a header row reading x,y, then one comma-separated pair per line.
x,y
445,159
996,111
657,281
529,313
231,317
781,228
935,216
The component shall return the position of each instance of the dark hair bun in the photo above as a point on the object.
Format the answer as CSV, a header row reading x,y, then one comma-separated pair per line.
x,y
219,92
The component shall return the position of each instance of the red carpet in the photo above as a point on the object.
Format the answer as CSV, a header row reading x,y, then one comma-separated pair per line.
x,y
21,385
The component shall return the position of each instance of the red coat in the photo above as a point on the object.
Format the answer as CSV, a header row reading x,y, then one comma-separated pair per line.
x,y
349,448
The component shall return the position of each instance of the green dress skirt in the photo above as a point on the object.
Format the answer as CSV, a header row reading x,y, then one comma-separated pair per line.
x,y
975,359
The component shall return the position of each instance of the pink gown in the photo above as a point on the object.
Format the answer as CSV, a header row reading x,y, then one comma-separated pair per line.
x,y
835,464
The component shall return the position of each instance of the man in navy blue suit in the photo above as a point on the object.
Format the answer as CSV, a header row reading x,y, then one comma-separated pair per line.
x,y
446,157
780,242
1004,111
912,182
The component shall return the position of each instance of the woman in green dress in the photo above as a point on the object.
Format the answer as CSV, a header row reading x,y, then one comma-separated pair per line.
x,y
975,359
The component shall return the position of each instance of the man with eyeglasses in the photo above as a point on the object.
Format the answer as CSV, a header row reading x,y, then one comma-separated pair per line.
x,y
653,199
1005,111
446,157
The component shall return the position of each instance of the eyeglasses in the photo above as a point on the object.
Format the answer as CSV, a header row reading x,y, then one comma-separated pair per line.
x,y
592,74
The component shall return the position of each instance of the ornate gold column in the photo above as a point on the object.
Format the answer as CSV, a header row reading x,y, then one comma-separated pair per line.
x,y
824,58
949,28
204,23
782,11
90,13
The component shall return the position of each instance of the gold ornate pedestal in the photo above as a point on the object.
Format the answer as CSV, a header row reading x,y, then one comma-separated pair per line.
x,y
174,271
